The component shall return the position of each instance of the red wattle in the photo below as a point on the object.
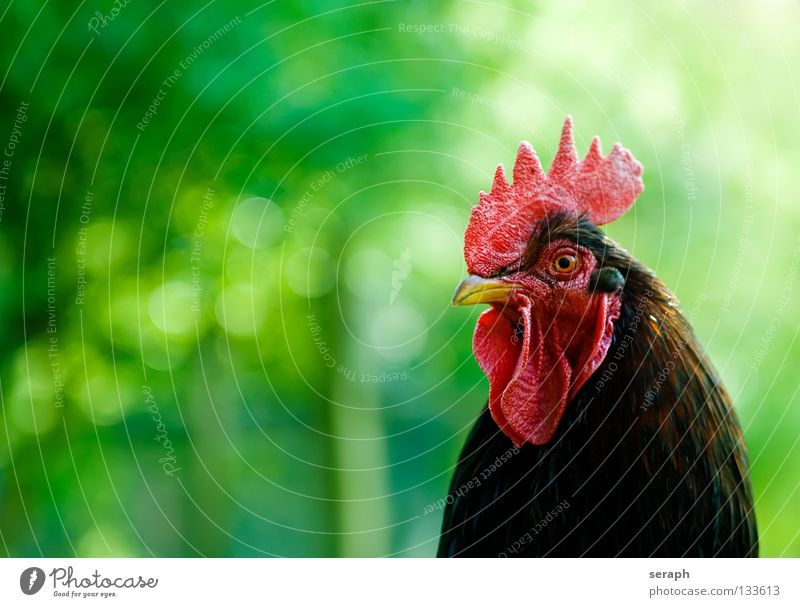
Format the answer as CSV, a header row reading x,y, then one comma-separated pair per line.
x,y
497,351
534,400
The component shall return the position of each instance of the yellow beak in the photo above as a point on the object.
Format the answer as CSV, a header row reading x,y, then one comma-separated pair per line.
x,y
474,290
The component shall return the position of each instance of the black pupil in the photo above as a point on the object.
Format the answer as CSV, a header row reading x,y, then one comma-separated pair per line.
x,y
564,262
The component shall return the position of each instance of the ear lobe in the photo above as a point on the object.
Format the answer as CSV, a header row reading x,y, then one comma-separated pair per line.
x,y
606,280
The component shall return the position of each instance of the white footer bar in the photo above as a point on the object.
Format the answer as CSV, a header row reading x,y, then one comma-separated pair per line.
x,y
402,582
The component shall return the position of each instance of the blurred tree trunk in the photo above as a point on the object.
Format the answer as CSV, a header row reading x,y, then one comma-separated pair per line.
x,y
359,432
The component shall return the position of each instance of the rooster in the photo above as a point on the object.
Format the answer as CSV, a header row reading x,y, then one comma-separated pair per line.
x,y
607,431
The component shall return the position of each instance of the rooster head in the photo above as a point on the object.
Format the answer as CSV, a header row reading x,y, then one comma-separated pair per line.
x,y
533,253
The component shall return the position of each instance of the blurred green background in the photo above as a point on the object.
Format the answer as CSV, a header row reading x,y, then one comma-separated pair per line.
x,y
229,235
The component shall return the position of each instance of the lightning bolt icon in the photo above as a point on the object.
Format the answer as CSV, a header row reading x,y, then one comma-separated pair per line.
x,y
34,575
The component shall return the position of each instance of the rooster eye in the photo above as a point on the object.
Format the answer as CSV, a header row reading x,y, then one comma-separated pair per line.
x,y
565,264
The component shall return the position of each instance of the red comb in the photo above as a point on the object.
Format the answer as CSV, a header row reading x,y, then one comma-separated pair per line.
x,y
604,187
